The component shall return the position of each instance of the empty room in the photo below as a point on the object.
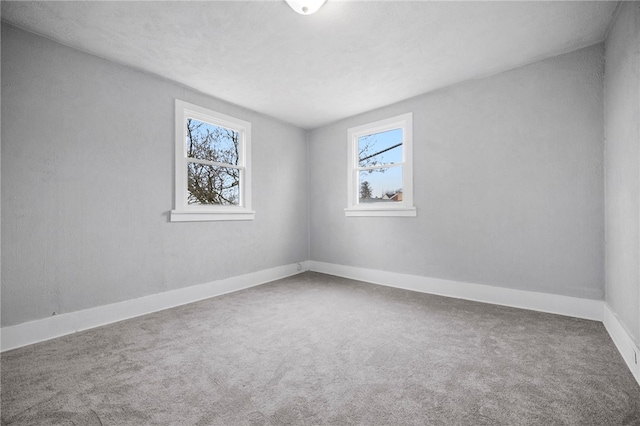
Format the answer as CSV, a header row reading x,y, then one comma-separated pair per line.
x,y
308,212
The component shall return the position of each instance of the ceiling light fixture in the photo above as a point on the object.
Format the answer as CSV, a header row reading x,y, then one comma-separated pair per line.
x,y
305,7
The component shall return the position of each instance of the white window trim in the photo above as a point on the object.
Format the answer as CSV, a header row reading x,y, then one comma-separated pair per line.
x,y
402,208
185,212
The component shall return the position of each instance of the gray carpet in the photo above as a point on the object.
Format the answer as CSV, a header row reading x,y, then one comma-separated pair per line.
x,y
315,349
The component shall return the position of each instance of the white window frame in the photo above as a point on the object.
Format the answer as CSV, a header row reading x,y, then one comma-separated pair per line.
x,y
400,208
185,212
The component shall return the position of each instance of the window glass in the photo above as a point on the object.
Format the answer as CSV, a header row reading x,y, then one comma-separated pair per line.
x,y
207,141
213,184
380,148
380,185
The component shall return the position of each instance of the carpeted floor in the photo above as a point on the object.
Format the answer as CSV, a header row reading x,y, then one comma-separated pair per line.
x,y
315,349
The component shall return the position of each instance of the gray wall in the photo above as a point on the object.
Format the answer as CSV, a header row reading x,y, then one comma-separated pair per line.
x,y
87,184
508,183
622,165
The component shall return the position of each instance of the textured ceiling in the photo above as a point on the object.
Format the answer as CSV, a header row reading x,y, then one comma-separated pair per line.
x,y
349,57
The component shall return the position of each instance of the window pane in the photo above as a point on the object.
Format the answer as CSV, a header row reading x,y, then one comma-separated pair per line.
x,y
380,148
213,184
381,185
206,141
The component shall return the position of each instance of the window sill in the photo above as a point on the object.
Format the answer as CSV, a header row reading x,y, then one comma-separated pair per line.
x,y
206,216
377,212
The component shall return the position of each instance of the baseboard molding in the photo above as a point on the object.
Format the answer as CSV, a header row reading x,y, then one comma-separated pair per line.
x,y
543,302
551,303
24,334
629,349
27,333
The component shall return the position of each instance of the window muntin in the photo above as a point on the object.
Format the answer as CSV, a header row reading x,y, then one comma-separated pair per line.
x,y
380,168
212,166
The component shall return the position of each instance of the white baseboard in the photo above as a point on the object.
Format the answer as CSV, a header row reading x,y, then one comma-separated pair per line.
x,y
551,303
543,302
629,349
19,335
27,333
